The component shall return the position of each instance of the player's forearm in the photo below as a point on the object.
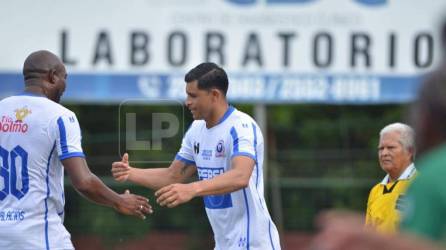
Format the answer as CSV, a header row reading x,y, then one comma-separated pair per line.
x,y
226,183
95,190
153,178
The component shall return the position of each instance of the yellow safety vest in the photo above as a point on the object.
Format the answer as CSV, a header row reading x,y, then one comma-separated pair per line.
x,y
384,205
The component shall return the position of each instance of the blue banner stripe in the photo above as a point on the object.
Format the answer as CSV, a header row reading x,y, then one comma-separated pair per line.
x,y
63,136
272,88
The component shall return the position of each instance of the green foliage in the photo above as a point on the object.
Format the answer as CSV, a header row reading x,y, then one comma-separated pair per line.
x,y
86,218
324,157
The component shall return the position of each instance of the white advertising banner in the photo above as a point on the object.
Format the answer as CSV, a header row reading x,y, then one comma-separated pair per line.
x,y
275,51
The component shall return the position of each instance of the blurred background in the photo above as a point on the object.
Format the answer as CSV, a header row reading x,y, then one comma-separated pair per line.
x,y
321,77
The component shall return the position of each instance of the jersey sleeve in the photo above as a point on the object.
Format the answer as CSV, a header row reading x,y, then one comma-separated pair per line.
x,y
186,152
244,139
68,136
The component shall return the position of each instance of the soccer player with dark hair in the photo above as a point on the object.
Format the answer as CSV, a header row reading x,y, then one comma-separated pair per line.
x,y
225,147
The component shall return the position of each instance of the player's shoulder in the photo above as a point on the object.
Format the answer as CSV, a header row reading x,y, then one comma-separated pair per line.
x,y
57,110
64,110
10,100
239,119
37,101
4,100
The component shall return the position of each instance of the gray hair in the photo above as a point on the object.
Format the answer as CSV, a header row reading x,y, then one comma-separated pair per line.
x,y
407,134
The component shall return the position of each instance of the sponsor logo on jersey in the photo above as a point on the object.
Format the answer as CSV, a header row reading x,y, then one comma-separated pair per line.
x,y
220,149
209,173
214,201
8,124
196,147
206,154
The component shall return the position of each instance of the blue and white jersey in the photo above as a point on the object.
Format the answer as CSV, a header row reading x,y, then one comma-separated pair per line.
x,y
240,220
35,135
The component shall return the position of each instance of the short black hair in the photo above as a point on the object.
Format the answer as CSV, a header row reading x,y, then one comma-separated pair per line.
x,y
208,75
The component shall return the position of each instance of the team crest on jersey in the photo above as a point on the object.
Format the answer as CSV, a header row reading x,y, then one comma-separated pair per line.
x,y
10,125
220,149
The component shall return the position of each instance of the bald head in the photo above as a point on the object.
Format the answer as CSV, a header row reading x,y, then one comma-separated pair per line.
x,y
45,74
39,63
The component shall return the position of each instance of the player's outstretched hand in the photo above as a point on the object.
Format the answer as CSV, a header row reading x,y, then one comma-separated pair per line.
x,y
175,194
121,169
135,205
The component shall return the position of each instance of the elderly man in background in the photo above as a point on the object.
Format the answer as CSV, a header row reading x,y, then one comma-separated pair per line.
x,y
396,153
424,218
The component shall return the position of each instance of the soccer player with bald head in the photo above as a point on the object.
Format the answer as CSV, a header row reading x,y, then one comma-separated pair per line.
x,y
39,139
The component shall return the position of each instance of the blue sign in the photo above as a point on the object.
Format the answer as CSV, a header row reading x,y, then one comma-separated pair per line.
x,y
252,2
243,88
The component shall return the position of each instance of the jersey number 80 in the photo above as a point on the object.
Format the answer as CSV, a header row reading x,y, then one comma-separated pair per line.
x,y
8,172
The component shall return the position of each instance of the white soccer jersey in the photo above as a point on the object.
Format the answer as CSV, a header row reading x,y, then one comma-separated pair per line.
x,y
240,220
35,135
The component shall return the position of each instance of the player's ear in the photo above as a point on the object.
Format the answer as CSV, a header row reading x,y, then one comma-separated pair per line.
x,y
52,75
215,94
411,152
